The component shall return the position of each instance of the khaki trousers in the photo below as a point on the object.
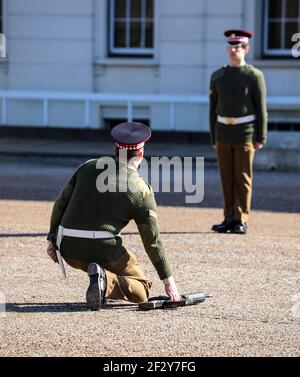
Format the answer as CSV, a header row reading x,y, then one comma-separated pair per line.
x,y
125,278
235,165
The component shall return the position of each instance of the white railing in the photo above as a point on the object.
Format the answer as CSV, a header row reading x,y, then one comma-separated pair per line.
x,y
128,99
102,98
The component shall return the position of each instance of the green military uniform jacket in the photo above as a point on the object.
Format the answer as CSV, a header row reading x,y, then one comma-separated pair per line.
x,y
81,206
237,92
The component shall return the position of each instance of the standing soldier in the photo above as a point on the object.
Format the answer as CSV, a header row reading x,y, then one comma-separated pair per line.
x,y
86,221
238,125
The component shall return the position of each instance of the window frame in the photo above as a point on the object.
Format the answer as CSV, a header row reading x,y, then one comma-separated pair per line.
x,y
129,51
1,16
276,52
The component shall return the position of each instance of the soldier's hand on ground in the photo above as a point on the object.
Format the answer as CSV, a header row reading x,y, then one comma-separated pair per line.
x,y
51,252
171,289
257,145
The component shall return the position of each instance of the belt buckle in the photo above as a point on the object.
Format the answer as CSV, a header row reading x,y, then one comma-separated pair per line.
x,y
94,235
231,121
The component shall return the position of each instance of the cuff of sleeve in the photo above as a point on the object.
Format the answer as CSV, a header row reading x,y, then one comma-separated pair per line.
x,y
163,269
169,280
51,237
261,140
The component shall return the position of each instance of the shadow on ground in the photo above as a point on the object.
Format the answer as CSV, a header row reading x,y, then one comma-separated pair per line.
x,y
59,307
12,235
272,190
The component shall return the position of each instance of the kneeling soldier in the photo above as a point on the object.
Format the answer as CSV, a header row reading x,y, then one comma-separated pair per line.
x,y
85,224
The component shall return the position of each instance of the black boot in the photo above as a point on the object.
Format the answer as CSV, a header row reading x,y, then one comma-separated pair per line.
x,y
96,291
224,227
240,227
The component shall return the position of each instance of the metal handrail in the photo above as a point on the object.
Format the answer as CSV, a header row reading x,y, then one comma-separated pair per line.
x,y
87,98
127,98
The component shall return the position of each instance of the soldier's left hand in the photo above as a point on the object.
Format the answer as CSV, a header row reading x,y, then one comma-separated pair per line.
x,y
52,252
257,145
171,289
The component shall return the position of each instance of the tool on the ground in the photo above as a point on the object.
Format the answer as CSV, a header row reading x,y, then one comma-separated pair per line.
x,y
163,302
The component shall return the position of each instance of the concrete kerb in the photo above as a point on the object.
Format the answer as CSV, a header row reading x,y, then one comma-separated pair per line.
x,y
282,152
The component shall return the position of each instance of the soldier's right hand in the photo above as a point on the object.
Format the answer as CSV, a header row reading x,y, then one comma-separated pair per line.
x,y
52,252
257,145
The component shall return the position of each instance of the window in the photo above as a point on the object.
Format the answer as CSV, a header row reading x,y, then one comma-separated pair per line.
x,y
281,22
110,123
131,27
284,127
1,17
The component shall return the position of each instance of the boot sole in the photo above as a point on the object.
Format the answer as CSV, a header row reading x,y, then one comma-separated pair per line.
x,y
238,232
221,231
93,294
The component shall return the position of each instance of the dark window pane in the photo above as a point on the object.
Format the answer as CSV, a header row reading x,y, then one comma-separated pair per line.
x,y
135,34
1,17
120,34
275,8
149,8
136,9
290,29
120,8
149,35
292,10
274,35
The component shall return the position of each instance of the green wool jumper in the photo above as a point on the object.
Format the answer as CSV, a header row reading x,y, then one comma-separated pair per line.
x,y
81,206
237,92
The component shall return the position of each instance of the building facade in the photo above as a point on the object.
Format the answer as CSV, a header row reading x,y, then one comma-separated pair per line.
x,y
90,63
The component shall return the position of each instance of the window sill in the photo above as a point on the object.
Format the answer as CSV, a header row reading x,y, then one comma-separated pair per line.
x,y
4,66
276,63
132,62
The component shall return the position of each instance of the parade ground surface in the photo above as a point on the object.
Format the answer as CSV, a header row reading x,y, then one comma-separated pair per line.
x,y
254,278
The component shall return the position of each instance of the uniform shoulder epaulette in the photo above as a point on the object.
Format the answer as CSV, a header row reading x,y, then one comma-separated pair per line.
x,y
144,188
254,72
88,162
218,73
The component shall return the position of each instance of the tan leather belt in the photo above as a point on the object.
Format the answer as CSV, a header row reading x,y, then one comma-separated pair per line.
x,y
233,121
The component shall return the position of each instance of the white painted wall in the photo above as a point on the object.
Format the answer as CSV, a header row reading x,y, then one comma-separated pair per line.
x,y
49,44
61,45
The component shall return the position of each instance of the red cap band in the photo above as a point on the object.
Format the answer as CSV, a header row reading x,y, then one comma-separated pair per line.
x,y
238,39
130,146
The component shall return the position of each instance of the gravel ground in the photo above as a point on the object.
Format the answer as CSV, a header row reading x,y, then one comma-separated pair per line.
x,y
254,279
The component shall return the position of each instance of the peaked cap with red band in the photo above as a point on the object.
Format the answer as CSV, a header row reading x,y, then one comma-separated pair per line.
x,y
237,37
130,135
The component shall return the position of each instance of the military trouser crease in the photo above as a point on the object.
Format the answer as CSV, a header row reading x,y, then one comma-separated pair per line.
x,y
236,172
125,278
